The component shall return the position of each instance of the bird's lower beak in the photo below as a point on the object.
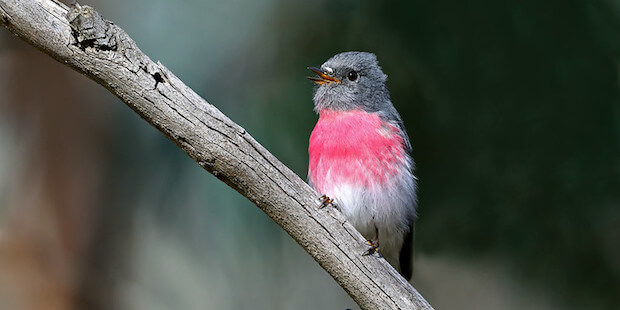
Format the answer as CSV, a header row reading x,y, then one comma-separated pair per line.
x,y
322,78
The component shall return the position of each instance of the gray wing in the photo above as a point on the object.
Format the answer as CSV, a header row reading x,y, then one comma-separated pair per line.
x,y
390,114
406,252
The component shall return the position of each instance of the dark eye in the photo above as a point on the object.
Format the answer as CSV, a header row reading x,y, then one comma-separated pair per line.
x,y
352,75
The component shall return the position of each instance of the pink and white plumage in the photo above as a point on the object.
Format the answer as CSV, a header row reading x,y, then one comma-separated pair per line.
x,y
360,155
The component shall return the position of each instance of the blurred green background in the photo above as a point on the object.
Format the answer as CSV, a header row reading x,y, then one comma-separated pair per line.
x,y
512,107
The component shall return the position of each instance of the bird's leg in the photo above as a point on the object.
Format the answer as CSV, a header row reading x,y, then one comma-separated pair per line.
x,y
374,245
326,201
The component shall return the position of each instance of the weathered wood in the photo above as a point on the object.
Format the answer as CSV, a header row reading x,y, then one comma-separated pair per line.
x,y
80,38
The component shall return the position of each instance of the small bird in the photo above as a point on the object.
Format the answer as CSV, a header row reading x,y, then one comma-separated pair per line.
x,y
360,155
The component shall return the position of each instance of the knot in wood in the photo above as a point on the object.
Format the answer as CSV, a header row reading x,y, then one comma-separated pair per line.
x,y
90,29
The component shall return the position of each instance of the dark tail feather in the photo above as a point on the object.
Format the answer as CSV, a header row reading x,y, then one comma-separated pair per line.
x,y
406,254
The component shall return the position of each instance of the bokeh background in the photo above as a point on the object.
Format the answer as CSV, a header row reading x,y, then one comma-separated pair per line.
x,y
512,107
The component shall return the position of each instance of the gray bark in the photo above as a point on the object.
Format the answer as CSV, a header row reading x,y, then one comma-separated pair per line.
x,y
78,37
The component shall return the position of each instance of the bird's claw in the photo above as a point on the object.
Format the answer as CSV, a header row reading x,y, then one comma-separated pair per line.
x,y
326,201
374,248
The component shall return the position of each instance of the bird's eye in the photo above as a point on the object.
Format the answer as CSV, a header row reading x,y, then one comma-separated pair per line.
x,y
352,75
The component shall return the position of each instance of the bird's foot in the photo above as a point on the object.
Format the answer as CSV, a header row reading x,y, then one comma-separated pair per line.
x,y
374,248
326,201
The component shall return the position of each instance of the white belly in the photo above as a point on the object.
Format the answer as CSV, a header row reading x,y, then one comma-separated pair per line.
x,y
386,209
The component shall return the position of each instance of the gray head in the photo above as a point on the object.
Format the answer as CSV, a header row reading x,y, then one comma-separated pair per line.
x,y
349,81
354,81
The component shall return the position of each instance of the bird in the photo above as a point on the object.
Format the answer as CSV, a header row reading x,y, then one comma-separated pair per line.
x,y
360,156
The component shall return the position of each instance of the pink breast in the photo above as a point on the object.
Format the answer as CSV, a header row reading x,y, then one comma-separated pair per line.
x,y
353,147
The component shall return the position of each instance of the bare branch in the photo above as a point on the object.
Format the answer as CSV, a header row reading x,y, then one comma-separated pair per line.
x,y
78,37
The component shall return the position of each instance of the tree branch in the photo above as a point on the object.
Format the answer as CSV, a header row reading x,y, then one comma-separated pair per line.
x,y
78,37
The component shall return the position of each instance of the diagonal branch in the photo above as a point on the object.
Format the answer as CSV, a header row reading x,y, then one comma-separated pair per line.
x,y
80,38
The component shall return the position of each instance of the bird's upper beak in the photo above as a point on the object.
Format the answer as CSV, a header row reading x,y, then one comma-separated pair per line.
x,y
323,77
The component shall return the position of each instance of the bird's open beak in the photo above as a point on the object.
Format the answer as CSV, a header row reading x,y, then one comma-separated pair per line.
x,y
322,78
